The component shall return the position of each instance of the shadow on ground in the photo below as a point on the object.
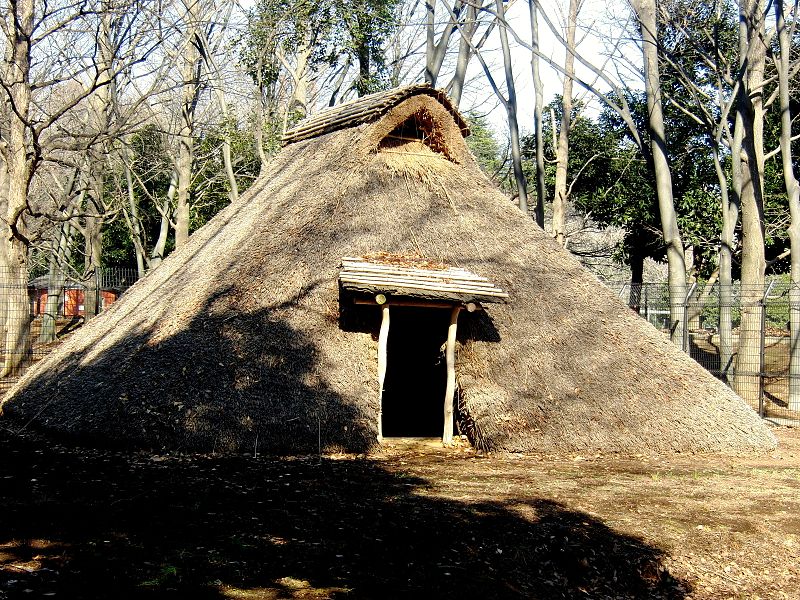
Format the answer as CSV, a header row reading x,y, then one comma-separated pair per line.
x,y
90,524
98,524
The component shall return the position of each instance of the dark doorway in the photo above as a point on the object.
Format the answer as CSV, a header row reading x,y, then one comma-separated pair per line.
x,y
416,372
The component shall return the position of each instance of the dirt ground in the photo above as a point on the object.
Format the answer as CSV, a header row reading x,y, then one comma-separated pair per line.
x,y
417,521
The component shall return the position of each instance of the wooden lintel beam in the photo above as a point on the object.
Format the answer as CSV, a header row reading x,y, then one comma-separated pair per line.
x,y
469,306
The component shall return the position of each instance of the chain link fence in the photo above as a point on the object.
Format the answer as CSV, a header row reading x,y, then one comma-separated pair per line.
x,y
741,335
37,310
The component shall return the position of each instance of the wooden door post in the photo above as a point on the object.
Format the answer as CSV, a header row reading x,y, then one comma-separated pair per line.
x,y
382,337
450,355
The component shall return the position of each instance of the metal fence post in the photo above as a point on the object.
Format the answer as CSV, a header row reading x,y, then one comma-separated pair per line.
x,y
686,317
97,295
762,349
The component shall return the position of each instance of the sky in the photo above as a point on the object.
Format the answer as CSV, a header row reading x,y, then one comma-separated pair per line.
x,y
595,23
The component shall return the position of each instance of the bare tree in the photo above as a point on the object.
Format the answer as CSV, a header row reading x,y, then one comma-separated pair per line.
x,y
533,6
510,104
209,51
747,156
435,50
20,160
101,110
467,28
783,61
676,262
53,79
468,46
616,101
560,196
191,71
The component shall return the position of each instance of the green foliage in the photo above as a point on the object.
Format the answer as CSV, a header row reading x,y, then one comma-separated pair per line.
x,y
283,26
210,186
615,183
334,30
367,24
609,178
694,33
153,170
484,147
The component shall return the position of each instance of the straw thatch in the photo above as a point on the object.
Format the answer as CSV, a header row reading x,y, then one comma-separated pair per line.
x,y
365,110
236,341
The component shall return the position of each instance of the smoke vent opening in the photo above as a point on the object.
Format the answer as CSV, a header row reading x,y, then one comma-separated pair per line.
x,y
420,133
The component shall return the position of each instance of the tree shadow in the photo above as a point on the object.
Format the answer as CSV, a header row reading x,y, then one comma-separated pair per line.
x,y
226,381
705,352
94,524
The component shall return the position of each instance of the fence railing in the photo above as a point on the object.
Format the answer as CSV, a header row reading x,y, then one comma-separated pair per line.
x,y
36,311
741,335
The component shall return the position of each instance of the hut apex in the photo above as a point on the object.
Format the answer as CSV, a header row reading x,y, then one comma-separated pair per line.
x,y
373,283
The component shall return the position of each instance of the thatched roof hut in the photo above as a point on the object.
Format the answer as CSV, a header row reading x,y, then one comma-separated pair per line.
x,y
250,336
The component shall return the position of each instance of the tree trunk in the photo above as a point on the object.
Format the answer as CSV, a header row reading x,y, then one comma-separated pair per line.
x,y
18,321
190,84
219,91
4,231
699,300
259,124
730,217
646,12
227,160
636,260
511,111
157,255
537,115
560,198
468,27
135,224
430,21
93,249
750,159
436,51
793,193
364,83
14,273
183,168
299,101
101,111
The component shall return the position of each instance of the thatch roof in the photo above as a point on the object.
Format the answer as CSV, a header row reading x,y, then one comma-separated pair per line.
x,y
238,339
366,110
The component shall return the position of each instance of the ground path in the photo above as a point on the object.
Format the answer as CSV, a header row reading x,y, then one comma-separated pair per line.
x,y
417,521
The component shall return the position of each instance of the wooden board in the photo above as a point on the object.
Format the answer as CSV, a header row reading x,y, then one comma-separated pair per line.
x,y
444,284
